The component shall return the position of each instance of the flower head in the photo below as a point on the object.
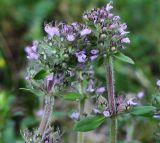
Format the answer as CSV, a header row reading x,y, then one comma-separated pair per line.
x,y
125,40
122,27
85,31
81,56
94,51
109,7
107,21
116,18
70,37
32,51
52,31
106,113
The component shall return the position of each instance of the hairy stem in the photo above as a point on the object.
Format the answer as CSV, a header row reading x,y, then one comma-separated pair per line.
x,y
49,102
111,98
113,131
110,85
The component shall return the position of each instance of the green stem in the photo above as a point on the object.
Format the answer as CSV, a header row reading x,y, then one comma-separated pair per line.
x,y
111,98
113,134
80,137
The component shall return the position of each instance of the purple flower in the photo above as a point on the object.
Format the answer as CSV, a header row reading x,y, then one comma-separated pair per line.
x,y
85,31
81,56
124,32
109,7
158,83
52,31
94,52
100,90
65,28
75,115
93,57
70,37
110,15
121,29
122,26
125,40
32,51
90,86
140,94
74,24
112,26
116,18
106,113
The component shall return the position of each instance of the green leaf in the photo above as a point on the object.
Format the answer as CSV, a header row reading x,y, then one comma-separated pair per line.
x,y
41,74
89,123
72,96
142,110
32,91
124,58
91,24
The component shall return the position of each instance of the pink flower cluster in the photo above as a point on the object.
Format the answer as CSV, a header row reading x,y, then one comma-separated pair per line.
x,y
68,32
110,25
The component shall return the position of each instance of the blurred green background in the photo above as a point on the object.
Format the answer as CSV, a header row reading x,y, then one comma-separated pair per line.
x,y
22,21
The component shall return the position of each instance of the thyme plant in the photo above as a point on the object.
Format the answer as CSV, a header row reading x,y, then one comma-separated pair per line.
x,y
64,64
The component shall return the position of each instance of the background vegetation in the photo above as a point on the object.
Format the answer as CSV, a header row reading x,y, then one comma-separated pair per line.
x,y
21,21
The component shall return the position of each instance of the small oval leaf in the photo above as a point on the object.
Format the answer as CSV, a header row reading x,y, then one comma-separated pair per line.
x,y
124,58
89,123
72,96
32,91
41,74
142,110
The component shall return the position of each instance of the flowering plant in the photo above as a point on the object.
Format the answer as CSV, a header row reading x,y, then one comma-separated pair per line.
x,y
65,63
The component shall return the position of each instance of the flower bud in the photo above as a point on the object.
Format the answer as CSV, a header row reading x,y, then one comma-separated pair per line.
x,y
65,55
113,48
54,51
104,29
101,44
103,36
85,17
